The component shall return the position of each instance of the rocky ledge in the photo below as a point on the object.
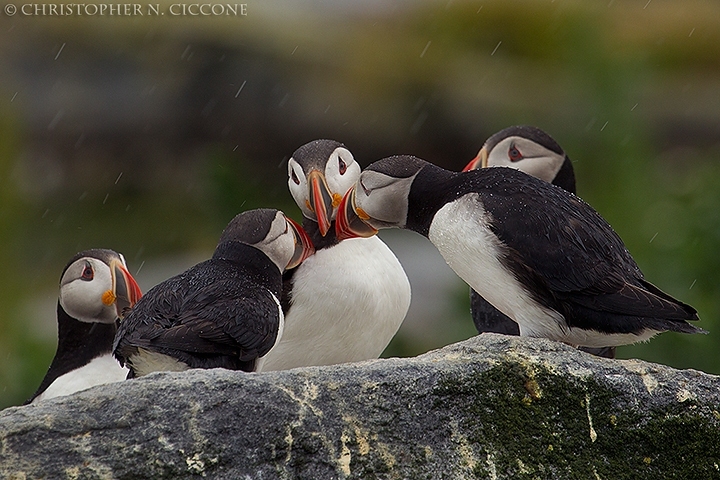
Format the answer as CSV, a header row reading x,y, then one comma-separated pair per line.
x,y
492,407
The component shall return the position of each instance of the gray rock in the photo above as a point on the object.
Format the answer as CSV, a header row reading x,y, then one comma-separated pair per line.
x,y
492,407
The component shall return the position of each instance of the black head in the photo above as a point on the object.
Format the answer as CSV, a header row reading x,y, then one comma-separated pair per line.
x,y
380,198
397,166
528,132
250,227
315,154
530,150
269,230
319,174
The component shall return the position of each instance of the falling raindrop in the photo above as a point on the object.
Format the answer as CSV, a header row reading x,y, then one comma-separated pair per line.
x,y
604,125
56,120
185,52
691,32
106,198
418,122
653,237
59,51
590,124
692,284
137,272
80,139
118,178
425,49
13,97
496,47
240,89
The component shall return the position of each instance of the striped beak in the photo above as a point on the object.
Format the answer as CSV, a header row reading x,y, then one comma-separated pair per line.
x,y
126,292
303,245
321,200
350,221
481,161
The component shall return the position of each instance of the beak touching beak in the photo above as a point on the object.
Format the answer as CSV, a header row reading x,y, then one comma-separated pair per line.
x,y
321,200
350,221
481,161
303,245
126,292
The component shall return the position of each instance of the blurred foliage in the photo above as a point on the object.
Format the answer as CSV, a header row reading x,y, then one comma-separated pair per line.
x,y
148,134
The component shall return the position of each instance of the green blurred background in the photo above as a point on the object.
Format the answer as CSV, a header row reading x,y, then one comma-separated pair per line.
x,y
147,134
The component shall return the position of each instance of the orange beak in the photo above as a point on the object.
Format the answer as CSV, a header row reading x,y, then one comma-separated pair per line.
x,y
321,200
303,245
350,221
125,289
480,161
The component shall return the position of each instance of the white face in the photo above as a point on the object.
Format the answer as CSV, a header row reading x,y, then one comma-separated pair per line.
x,y
279,244
341,172
527,156
383,198
83,288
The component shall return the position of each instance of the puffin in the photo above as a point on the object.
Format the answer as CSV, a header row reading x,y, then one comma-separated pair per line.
x,y
347,301
537,253
533,151
223,312
95,291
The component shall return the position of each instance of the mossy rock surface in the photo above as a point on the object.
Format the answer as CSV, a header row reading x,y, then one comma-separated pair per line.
x,y
492,407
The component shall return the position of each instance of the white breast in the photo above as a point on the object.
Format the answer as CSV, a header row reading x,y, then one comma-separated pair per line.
x,y
347,303
99,371
461,232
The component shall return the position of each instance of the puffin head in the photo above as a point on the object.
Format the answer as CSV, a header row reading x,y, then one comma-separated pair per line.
x,y
284,241
525,148
96,286
379,199
319,174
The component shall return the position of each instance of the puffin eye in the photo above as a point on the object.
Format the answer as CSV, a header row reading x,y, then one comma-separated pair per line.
x,y
87,273
295,178
342,166
514,154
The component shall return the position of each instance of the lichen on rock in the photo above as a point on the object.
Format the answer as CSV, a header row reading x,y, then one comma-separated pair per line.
x,y
491,407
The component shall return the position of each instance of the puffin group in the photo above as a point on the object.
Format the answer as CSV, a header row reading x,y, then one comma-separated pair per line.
x,y
275,295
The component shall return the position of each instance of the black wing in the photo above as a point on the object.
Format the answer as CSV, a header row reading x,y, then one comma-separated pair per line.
x,y
240,323
560,244
200,322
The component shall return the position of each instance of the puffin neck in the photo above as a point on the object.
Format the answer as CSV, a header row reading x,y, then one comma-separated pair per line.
x,y
312,228
248,258
429,192
565,177
78,343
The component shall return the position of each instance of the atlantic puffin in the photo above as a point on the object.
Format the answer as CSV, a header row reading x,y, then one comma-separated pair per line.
x,y
95,291
347,301
536,252
533,151
223,312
